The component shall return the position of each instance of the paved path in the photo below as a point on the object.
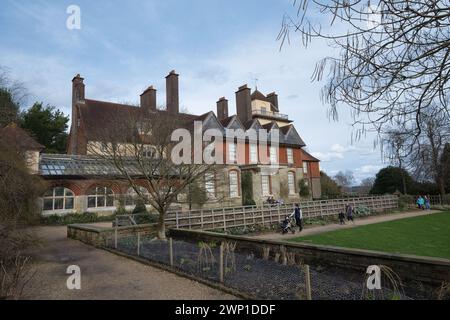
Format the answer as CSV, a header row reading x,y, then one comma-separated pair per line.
x,y
311,230
103,274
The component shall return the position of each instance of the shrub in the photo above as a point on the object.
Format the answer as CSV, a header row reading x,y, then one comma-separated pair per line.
x,y
140,207
73,218
404,201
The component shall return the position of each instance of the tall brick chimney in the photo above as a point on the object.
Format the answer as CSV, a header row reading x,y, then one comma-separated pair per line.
x,y
244,104
273,98
172,95
78,96
148,99
222,108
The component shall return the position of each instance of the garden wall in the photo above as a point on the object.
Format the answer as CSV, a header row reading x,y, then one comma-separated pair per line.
x,y
98,236
428,271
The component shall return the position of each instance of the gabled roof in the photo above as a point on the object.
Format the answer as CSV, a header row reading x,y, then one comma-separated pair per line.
x,y
291,136
225,122
17,137
257,95
308,157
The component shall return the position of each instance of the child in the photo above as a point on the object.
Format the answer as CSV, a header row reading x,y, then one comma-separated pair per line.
x,y
341,218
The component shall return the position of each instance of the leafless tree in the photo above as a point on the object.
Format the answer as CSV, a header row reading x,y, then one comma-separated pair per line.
x,y
345,180
19,191
13,95
139,146
397,149
393,59
421,154
366,185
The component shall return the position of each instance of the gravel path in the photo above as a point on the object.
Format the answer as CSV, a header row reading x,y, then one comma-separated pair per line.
x,y
103,275
311,230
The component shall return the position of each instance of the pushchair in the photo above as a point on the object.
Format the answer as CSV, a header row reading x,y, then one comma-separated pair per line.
x,y
288,225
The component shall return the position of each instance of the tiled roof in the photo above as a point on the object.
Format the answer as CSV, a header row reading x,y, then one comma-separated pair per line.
x,y
97,115
257,95
308,157
18,137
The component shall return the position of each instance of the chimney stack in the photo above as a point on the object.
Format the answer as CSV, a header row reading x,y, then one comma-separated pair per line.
x,y
78,96
222,108
273,98
244,104
77,89
172,95
148,99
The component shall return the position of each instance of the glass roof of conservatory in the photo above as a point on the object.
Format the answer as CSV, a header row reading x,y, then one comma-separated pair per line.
x,y
70,165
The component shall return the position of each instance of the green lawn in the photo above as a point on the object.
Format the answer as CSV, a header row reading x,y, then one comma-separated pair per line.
x,y
422,236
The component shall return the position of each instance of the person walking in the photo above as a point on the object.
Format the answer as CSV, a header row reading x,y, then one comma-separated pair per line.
x,y
298,217
341,218
350,213
427,203
421,202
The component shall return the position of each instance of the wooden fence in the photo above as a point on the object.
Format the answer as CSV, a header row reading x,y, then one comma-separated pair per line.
x,y
223,218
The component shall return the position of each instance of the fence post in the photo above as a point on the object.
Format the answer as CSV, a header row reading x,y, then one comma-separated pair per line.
x,y
171,251
201,218
262,217
139,244
279,215
115,233
176,219
221,262
308,283
224,220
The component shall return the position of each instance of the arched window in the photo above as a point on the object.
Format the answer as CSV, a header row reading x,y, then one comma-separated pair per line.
x,y
132,196
234,184
291,182
100,197
58,198
210,184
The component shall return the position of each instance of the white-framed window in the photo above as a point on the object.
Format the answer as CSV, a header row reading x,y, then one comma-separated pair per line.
x,y
273,155
290,155
210,184
132,196
253,153
291,182
100,197
305,167
59,198
232,152
149,152
234,184
265,185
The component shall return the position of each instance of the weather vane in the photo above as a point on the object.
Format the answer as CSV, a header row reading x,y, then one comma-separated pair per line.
x,y
256,83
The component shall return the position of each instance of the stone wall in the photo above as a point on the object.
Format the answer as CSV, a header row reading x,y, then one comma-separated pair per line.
x,y
427,271
97,236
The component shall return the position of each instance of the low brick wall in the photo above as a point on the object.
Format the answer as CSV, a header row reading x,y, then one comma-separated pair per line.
x,y
429,271
97,236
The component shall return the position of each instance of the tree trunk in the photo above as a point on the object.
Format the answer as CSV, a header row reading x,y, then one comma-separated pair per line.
x,y
162,225
441,186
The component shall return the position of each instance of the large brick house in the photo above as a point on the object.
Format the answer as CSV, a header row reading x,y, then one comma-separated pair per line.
x,y
81,182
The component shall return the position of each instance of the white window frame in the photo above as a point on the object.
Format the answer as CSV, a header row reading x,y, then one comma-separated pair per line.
x,y
100,192
291,183
290,155
273,155
305,167
233,177
67,195
265,185
253,153
210,184
232,157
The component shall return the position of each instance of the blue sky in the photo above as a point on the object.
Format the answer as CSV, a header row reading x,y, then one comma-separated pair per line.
x,y
215,46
